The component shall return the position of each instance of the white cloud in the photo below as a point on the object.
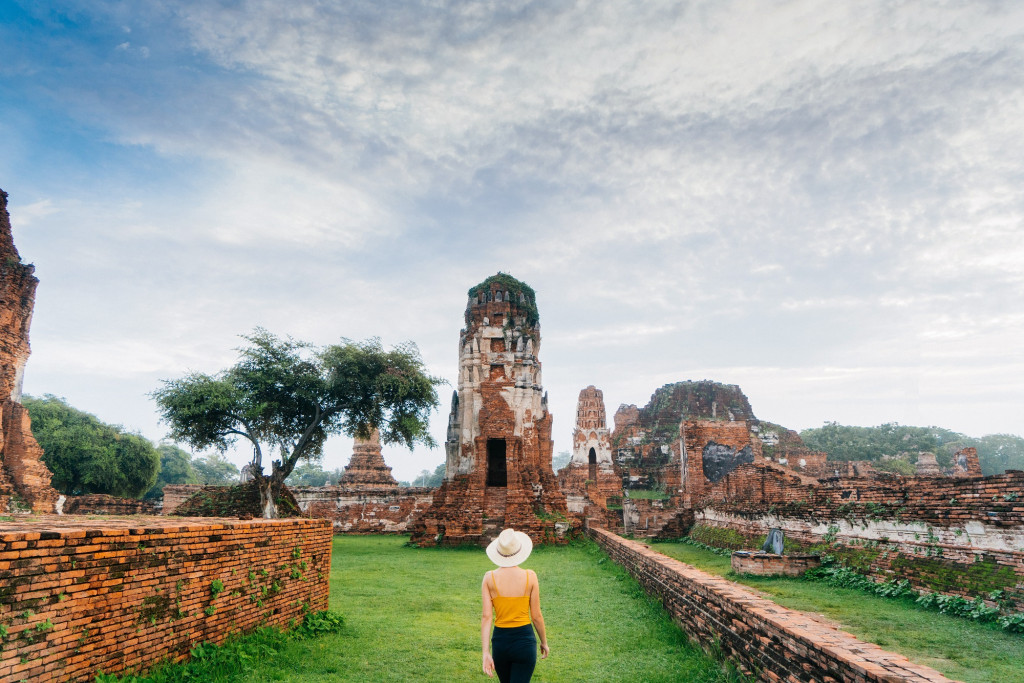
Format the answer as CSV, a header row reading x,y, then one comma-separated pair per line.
x,y
817,201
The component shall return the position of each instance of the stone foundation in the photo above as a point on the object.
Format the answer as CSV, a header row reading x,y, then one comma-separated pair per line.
x,y
82,595
767,564
763,639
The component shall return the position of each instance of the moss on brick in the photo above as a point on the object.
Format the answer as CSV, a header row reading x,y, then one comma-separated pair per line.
x,y
234,501
941,575
718,537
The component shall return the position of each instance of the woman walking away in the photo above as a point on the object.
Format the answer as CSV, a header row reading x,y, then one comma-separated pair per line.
x,y
511,599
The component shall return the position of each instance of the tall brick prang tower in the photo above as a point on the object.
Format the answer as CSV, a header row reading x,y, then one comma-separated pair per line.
x,y
498,469
22,472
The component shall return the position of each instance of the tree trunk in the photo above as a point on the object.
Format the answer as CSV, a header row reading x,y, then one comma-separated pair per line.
x,y
268,495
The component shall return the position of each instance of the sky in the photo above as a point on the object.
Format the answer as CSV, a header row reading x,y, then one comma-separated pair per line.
x,y
818,201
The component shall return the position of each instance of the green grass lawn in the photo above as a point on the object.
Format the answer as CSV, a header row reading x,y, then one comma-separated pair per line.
x,y
414,615
960,649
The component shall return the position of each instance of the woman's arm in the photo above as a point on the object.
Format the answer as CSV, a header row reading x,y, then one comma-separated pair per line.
x,y
485,628
536,617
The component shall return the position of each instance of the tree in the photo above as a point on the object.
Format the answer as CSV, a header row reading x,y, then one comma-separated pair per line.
x,y
86,455
560,460
287,396
996,452
1000,452
430,479
312,474
215,470
175,468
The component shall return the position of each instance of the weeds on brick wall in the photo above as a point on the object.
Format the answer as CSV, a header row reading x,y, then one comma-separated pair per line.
x,y
689,540
836,574
717,538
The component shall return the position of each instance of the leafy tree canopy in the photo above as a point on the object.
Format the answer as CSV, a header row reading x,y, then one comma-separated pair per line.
x,y
560,460
86,455
175,468
428,478
313,474
996,452
215,470
288,396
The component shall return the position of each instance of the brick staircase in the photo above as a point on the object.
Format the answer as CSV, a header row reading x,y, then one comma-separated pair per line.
x,y
494,511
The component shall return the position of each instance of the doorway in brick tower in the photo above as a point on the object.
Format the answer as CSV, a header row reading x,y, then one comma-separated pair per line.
x,y
592,459
497,470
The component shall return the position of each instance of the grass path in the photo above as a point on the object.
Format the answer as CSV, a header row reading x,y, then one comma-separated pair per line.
x,y
414,615
960,649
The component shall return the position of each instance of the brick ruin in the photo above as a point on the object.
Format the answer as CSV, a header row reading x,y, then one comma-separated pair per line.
x,y
591,477
24,479
498,465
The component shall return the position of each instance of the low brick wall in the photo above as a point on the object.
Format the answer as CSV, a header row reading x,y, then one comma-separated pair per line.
x,y
368,511
82,595
102,504
762,638
970,561
766,564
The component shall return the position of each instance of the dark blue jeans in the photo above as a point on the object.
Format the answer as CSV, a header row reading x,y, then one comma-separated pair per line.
x,y
515,653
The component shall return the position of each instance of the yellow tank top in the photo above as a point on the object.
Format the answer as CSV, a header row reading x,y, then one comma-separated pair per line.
x,y
511,612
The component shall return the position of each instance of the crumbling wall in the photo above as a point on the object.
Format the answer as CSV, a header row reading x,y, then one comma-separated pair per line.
x,y
364,510
649,443
22,472
785,447
78,596
102,504
765,640
714,450
957,536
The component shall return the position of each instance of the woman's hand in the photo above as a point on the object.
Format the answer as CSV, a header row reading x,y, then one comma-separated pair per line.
x,y
544,651
488,665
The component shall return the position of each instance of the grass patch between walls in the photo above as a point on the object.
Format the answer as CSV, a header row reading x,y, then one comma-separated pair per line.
x,y
413,614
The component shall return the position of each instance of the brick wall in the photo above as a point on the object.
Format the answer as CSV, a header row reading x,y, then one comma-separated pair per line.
x,y
388,510
102,504
762,638
176,494
366,511
81,595
969,561
996,500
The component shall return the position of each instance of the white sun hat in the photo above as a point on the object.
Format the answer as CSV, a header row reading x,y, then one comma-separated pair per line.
x,y
510,548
